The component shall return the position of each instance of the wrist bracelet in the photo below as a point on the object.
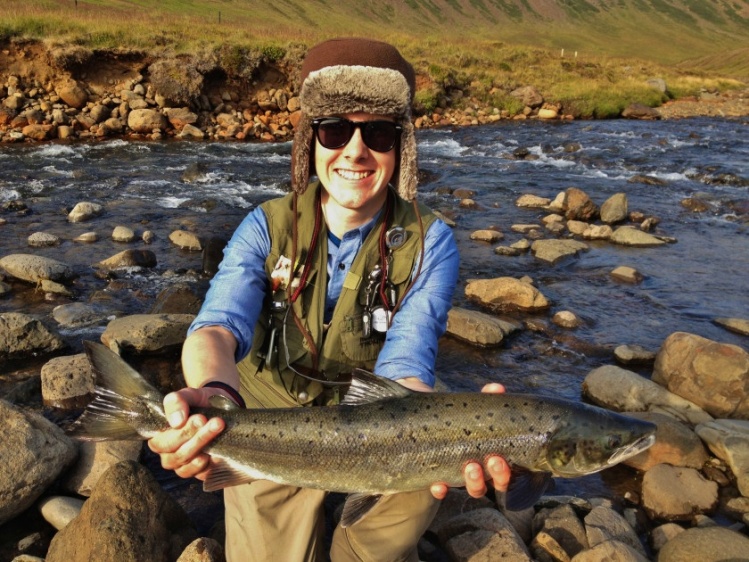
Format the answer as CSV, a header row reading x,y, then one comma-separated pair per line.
x,y
233,394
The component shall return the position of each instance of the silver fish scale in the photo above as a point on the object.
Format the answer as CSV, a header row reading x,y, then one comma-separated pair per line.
x,y
391,445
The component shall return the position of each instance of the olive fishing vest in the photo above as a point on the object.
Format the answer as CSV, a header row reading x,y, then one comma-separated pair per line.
x,y
328,352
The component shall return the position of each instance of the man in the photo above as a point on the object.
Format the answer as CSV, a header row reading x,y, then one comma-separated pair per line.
x,y
346,272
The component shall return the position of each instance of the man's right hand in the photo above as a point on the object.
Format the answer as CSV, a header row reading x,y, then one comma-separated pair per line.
x,y
181,446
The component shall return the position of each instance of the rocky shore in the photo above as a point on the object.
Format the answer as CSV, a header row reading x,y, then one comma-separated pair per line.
x,y
67,93
687,498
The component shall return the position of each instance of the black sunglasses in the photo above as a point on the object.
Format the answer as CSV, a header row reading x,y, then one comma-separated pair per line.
x,y
335,132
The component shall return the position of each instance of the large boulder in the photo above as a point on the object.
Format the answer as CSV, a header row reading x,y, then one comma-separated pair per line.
x,y
147,332
688,365
32,268
22,335
729,441
128,518
478,328
146,120
677,493
708,544
507,293
33,452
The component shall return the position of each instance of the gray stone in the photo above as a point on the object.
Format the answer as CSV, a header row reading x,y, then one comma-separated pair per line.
x,y
675,444
43,239
615,208
603,524
129,259
186,240
84,211
22,335
610,551
123,234
67,382
94,459
34,451
507,292
553,251
58,511
676,493
729,441
477,327
736,325
147,332
712,544
32,268
630,236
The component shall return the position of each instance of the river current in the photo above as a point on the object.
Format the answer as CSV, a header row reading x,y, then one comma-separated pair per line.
x,y
209,187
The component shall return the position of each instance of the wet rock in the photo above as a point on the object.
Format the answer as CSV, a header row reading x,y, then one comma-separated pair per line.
x,y
729,441
67,382
553,251
627,274
615,208
598,232
714,544
84,211
22,335
676,493
186,240
604,524
43,239
94,459
487,235
34,451
128,258
478,328
58,511
507,251
578,206
128,518
52,288
202,549
87,237
625,391
687,364
78,315
566,319
507,292
736,325
32,268
123,234
675,444
664,533
177,299
564,526
613,551
482,534
630,236
147,332
532,201
633,355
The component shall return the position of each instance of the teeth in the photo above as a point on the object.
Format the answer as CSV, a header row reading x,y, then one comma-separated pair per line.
x,y
351,175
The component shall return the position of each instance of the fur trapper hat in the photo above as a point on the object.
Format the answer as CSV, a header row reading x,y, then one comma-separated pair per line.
x,y
353,75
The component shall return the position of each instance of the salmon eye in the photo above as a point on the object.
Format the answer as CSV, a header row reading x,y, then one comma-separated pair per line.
x,y
615,441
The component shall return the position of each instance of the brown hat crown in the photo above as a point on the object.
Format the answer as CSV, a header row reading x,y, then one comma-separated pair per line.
x,y
352,75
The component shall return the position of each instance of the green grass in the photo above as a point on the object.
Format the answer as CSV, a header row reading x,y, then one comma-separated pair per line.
x,y
486,47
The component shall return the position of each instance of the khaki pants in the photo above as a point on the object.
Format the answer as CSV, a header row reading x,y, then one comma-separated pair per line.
x,y
268,522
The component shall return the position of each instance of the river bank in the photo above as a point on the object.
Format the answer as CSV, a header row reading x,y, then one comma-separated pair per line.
x,y
68,93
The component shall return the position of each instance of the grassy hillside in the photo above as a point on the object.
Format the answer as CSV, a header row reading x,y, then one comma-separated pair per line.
x,y
665,31
592,55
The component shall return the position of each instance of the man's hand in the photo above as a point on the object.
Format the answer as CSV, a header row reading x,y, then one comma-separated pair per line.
x,y
475,477
181,446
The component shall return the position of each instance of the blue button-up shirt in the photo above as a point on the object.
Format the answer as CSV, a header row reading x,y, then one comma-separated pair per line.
x,y
237,292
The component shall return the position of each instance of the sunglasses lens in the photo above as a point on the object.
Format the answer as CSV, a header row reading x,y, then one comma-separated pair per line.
x,y
380,136
334,133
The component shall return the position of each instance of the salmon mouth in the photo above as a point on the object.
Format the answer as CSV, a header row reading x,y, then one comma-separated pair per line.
x,y
640,445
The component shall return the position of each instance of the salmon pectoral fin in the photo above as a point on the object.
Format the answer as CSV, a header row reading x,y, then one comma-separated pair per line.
x,y
356,507
225,473
526,487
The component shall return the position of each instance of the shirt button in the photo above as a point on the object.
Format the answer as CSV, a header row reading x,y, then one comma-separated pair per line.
x,y
341,266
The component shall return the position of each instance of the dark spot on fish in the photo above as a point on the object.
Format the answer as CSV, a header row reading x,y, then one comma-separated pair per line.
x,y
465,404
376,425
449,404
524,417
506,405
448,423
525,403
425,427
467,432
264,436
490,414
436,416
478,416
362,436
429,406
307,419
512,419
273,422
400,435
381,408
491,428
280,433
532,429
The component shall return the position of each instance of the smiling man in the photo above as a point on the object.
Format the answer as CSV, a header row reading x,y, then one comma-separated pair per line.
x,y
346,272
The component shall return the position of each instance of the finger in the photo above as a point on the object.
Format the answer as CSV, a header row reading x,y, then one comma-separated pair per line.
x,y
499,471
197,467
474,476
439,491
176,409
493,388
206,432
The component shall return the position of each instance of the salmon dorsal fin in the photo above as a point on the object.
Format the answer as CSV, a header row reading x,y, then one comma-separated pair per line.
x,y
367,387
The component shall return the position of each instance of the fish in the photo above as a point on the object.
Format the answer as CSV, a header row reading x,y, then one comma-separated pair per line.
x,y
382,439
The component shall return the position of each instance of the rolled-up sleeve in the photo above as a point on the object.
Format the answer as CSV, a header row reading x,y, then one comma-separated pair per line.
x,y
236,294
411,343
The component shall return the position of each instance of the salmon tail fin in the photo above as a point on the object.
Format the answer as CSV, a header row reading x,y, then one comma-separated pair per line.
x,y
125,405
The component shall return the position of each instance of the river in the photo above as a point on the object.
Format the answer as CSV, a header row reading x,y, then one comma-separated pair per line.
x,y
209,187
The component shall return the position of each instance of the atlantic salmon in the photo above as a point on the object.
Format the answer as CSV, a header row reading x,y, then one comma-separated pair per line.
x,y
382,439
